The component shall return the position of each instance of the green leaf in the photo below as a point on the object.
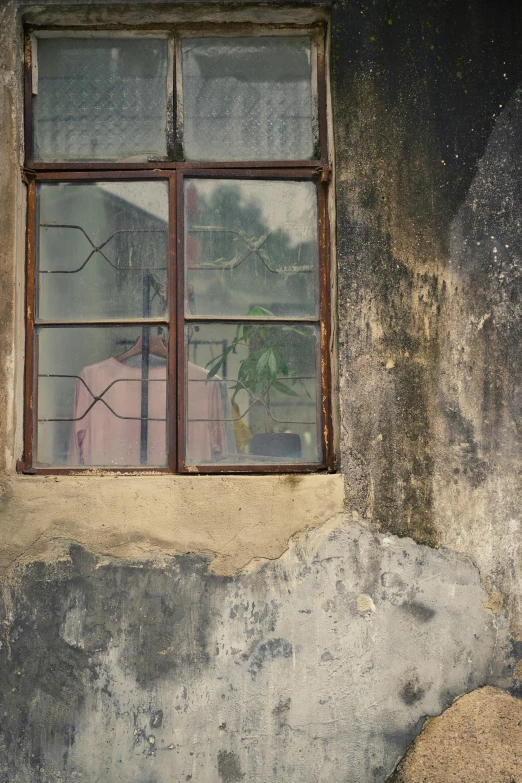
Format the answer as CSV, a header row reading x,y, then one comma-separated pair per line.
x,y
237,387
243,370
284,389
297,331
281,364
263,361
213,370
215,359
260,312
272,363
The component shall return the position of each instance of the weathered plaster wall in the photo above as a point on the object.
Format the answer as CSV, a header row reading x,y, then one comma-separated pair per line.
x,y
321,664
11,207
428,132
480,390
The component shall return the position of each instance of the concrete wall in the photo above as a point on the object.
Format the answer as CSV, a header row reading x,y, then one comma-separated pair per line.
x,y
263,629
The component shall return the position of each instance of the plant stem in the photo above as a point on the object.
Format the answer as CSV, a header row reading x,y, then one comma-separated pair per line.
x,y
266,400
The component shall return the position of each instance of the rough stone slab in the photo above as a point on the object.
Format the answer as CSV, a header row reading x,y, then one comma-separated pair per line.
x,y
477,740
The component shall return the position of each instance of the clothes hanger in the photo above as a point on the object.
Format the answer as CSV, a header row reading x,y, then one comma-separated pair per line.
x,y
156,347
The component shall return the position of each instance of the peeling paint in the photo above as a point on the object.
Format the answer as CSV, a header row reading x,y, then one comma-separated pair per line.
x,y
493,603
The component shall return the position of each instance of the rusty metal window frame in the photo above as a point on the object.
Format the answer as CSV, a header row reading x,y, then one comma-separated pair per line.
x,y
174,171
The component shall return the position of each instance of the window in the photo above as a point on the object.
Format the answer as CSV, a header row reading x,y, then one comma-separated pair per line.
x,y
177,287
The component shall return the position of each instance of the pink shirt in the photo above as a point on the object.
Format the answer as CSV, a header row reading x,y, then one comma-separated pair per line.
x,y
101,435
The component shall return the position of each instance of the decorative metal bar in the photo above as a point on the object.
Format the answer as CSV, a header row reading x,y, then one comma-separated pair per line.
x,y
256,400
107,322
98,249
98,397
254,248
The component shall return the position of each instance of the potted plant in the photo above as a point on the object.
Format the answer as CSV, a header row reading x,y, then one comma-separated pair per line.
x,y
264,370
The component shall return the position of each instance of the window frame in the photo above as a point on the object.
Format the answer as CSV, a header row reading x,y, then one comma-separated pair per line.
x,y
174,172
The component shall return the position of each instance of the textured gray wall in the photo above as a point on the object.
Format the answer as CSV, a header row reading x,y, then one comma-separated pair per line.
x,y
319,666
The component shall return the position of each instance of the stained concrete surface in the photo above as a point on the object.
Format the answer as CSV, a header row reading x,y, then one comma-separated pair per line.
x,y
319,666
479,386
477,740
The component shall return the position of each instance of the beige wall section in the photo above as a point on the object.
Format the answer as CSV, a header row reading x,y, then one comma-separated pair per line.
x,y
234,519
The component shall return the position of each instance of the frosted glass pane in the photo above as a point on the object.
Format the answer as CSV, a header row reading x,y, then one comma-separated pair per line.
x,y
102,250
92,394
251,248
247,98
251,394
100,98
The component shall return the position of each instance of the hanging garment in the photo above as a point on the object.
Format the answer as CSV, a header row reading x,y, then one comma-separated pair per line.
x,y
206,432
106,431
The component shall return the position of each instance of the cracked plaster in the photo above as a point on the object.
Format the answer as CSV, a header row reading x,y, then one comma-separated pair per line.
x,y
318,666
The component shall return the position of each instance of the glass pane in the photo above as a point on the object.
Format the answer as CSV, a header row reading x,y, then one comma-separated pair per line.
x,y
102,250
252,393
247,98
101,396
101,98
251,248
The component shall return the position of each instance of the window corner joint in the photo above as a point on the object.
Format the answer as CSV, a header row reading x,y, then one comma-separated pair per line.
x,y
28,176
324,171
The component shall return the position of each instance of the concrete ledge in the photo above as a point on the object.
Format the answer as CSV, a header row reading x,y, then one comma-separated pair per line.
x,y
234,519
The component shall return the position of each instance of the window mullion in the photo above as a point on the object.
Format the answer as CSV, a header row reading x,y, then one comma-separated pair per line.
x,y
29,330
172,374
178,299
326,327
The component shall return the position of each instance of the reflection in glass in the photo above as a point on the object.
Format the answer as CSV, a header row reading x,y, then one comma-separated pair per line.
x,y
251,244
247,98
100,98
256,388
101,396
102,250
